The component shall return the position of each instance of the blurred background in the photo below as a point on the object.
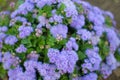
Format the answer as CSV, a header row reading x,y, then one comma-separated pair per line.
x,y
109,5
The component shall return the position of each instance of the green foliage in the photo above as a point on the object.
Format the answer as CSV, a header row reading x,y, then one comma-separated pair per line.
x,y
117,55
81,55
84,45
2,4
46,11
60,10
104,47
50,40
64,77
2,72
13,30
108,21
18,3
80,9
4,20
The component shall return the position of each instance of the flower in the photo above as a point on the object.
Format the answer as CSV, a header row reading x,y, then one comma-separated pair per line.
x,y
3,29
64,60
84,34
90,76
25,31
11,40
21,49
59,30
72,44
9,60
78,22
48,71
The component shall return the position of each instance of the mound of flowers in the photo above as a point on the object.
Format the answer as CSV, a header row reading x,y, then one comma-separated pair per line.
x,y
59,40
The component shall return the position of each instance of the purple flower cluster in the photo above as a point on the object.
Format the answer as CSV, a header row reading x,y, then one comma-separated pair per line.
x,y
48,71
33,56
9,60
110,65
0,56
32,22
72,44
93,61
64,60
56,18
11,40
90,76
23,9
95,40
70,9
18,74
59,31
78,22
3,29
2,36
25,31
84,34
21,49
113,39
99,30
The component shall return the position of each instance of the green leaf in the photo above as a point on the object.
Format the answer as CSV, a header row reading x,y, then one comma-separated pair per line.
x,y
47,11
108,21
2,72
81,55
104,49
25,41
60,10
18,3
62,7
117,55
50,40
80,9
86,46
4,20
64,77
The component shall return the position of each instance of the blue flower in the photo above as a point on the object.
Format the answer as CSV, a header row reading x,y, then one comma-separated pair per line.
x,y
25,31
21,49
78,22
11,40
59,31
84,34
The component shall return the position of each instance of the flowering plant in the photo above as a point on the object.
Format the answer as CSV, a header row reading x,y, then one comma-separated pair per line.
x,y
58,40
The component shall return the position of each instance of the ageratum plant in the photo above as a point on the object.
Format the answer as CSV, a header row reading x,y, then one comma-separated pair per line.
x,y
58,40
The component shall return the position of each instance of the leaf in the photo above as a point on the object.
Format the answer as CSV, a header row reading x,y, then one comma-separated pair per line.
x,y
108,21
2,72
81,55
25,41
85,46
64,77
47,11
4,20
104,49
62,7
60,10
117,55
80,8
